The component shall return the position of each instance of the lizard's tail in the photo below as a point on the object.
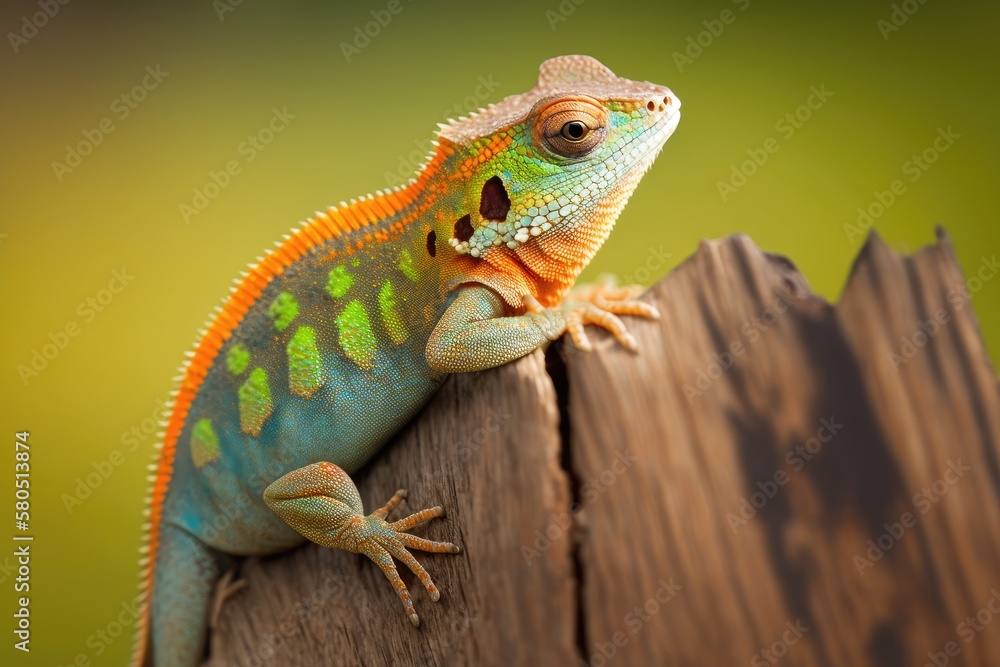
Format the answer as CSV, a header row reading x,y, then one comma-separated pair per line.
x,y
176,606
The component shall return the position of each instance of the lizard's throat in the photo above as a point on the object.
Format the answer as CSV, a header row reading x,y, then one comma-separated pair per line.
x,y
558,256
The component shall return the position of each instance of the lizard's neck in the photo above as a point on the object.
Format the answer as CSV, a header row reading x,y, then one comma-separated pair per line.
x,y
545,267
545,271
560,255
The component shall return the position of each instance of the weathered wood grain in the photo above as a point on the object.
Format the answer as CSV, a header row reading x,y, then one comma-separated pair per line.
x,y
696,502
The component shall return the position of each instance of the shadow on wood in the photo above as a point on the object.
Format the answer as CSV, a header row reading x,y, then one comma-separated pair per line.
x,y
772,478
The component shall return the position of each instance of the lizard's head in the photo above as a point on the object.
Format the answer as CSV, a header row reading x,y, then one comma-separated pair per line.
x,y
546,173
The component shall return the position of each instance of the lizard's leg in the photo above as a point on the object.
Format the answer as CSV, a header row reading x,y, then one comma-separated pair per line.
x,y
473,334
321,502
185,575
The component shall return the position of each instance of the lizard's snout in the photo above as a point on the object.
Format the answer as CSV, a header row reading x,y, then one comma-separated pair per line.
x,y
663,101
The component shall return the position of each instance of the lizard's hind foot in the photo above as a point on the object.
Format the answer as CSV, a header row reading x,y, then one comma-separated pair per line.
x,y
383,541
321,502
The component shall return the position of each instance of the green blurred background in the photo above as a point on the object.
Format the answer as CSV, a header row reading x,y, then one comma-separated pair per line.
x,y
358,125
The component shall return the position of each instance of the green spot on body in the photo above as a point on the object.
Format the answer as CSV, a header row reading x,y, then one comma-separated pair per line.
x,y
238,359
283,310
356,337
305,369
393,323
407,267
339,282
255,402
204,443
355,262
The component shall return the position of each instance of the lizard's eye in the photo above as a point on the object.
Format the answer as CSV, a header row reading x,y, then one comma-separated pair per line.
x,y
574,131
571,127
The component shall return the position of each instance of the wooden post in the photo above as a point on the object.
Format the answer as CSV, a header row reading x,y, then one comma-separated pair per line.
x,y
773,479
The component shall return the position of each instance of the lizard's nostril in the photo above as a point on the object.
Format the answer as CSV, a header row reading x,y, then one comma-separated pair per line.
x,y
660,105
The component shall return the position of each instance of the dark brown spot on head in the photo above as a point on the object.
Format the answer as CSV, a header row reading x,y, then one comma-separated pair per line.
x,y
432,243
463,228
494,203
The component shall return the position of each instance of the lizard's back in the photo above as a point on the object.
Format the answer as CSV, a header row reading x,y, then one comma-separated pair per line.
x,y
325,364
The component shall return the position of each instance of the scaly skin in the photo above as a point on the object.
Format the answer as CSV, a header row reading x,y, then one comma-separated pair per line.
x,y
335,339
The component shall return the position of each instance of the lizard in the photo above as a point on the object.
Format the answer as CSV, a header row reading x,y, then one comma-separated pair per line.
x,y
334,339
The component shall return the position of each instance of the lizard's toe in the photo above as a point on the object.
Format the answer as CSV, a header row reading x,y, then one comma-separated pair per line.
x,y
226,588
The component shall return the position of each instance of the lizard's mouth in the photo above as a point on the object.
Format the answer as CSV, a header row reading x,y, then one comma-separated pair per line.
x,y
654,143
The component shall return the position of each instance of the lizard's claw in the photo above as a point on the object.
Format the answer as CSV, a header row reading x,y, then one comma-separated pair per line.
x,y
602,302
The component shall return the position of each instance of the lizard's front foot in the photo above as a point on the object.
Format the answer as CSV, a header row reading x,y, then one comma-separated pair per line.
x,y
321,502
600,304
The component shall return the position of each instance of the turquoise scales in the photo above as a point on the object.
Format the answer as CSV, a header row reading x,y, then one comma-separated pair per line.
x,y
333,341
319,335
